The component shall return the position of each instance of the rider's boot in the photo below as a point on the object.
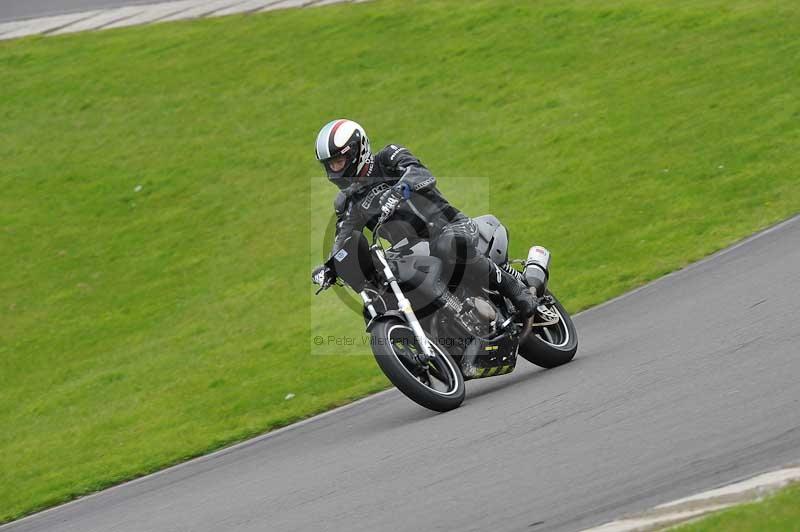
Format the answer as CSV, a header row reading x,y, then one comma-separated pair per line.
x,y
509,286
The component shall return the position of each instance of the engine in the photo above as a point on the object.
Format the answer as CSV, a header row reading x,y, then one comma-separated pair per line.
x,y
479,316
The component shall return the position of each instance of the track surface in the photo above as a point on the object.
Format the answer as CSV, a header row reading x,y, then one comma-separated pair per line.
x,y
24,9
683,385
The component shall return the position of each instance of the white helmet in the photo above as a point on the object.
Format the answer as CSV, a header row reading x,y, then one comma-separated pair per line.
x,y
343,149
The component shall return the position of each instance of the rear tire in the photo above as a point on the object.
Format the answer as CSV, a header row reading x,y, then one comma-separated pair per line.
x,y
394,346
551,346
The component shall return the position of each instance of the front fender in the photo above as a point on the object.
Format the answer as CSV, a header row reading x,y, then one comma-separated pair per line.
x,y
389,314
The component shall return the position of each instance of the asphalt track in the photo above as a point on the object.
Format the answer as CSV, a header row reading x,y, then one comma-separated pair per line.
x,y
24,9
686,384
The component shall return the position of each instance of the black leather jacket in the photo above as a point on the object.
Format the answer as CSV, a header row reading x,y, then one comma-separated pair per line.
x,y
422,216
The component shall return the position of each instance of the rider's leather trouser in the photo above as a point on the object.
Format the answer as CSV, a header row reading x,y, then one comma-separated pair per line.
x,y
457,246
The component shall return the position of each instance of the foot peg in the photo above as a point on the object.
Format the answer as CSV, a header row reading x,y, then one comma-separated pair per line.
x,y
509,286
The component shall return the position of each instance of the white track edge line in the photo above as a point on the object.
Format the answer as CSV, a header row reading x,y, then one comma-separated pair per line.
x,y
705,502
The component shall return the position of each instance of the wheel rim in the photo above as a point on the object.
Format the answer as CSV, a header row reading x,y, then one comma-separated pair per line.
x,y
556,335
439,376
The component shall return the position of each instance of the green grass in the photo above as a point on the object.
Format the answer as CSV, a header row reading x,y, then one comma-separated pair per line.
x,y
140,328
779,512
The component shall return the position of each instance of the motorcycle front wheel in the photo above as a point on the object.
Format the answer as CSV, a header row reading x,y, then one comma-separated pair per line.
x,y
437,384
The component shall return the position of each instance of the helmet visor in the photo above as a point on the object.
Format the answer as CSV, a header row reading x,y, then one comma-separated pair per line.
x,y
340,169
336,164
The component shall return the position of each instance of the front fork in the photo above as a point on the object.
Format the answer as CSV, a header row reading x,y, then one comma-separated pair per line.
x,y
404,304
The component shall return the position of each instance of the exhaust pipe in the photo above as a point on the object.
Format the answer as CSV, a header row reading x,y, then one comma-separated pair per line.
x,y
537,269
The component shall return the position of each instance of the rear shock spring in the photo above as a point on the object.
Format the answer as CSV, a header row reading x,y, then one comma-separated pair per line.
x,y
507,267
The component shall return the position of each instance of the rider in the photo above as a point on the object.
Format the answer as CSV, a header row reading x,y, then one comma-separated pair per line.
x,y
393,183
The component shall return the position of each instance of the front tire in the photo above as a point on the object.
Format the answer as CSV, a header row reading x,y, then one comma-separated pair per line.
x,y
554,345
438,385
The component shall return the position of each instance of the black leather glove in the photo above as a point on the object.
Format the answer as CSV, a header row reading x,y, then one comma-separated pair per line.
x,y
389,202
322,276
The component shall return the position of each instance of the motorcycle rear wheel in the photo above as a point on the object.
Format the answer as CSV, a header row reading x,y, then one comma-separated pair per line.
x,y
554,345
437,385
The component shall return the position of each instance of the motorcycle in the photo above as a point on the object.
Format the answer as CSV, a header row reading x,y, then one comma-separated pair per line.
x,y
430,332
